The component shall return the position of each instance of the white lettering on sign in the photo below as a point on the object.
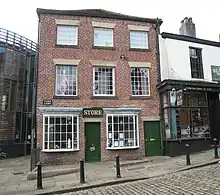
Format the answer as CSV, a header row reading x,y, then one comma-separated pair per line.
x,y
92,112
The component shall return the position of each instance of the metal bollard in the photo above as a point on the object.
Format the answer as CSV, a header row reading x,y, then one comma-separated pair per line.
x,y
82,173
187,155
215,148
118,172
39,176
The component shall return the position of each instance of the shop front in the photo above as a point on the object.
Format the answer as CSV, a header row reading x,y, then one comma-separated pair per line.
x,y
189,113
94,134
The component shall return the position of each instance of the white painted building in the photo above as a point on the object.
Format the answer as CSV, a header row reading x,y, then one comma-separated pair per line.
x,y
175,56
189,90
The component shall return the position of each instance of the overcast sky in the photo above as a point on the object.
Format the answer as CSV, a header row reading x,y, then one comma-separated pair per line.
x,y
20,15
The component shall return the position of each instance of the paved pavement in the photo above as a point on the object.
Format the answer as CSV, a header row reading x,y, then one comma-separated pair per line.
x,y
198,181
13,173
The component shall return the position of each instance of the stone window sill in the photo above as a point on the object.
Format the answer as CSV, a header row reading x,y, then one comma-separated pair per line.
x,y
139,50
67,46
105,97
66,97
140,97
103,47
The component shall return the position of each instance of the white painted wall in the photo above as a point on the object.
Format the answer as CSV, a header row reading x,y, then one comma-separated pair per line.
x,y
175,60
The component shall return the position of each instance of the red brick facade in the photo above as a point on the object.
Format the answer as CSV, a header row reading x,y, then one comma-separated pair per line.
x,y
85,52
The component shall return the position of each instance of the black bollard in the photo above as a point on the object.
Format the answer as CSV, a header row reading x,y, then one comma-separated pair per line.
x,y
187,155
39,176
215,148
82,173
118,172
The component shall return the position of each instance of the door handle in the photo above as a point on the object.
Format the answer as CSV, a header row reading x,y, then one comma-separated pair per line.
x,y
152,139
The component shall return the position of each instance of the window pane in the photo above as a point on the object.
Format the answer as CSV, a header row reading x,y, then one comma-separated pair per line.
x,y
124,132
196,63
67,35
103,37
139,39
61,133
46,145
66,80
140,81
103,81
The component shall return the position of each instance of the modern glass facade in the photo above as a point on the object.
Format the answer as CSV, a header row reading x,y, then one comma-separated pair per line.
x,y
18,60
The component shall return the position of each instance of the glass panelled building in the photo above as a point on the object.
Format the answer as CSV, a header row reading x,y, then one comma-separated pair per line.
x,y
18,61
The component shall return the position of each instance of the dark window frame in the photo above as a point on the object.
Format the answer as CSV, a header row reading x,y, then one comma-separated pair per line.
x,y
196,64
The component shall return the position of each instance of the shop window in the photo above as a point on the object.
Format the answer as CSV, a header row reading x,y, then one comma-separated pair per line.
x,y
196,63
193,122
140,82
60,133
122,131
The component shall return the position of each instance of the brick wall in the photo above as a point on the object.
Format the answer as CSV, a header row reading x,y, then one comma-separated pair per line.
x,y
84,53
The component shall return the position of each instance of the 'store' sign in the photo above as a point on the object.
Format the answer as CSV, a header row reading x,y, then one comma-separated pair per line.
x,y
92,112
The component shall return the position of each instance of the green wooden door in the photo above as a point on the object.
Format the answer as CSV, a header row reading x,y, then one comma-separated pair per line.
x,y
92,142
152,138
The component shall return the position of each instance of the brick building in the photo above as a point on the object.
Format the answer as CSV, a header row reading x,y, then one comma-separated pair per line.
x,y
97,80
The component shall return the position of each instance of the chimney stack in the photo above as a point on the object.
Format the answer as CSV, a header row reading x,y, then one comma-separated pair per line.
x,y
188,28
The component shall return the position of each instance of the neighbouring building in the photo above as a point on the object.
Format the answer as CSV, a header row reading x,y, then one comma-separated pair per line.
x,y
18,57
189,90
97,94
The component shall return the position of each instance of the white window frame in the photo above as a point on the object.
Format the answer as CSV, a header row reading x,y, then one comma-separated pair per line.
x,y
99,28
120,147
61,150
147,38
148,82
70,26
113,82
61,95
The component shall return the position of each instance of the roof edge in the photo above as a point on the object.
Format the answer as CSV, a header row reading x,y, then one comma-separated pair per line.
x,y
94,13
190,39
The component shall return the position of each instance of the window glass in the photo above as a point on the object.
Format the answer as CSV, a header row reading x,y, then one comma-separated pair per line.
x,y
140,81
67,35
103,81
122,131
139,39
103,37
60,132
196,63
66,80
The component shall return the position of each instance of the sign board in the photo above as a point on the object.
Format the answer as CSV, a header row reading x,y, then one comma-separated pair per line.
x,y
47,102
215,73
198,89
179,98
92,112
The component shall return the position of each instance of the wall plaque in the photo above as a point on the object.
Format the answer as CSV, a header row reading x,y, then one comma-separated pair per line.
x,y
92,112
47,102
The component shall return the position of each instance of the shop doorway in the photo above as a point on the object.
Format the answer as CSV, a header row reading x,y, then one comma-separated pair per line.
x,y
92,142
152,138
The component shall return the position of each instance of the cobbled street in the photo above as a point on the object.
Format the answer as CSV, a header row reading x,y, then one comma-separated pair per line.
x,y
199,181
